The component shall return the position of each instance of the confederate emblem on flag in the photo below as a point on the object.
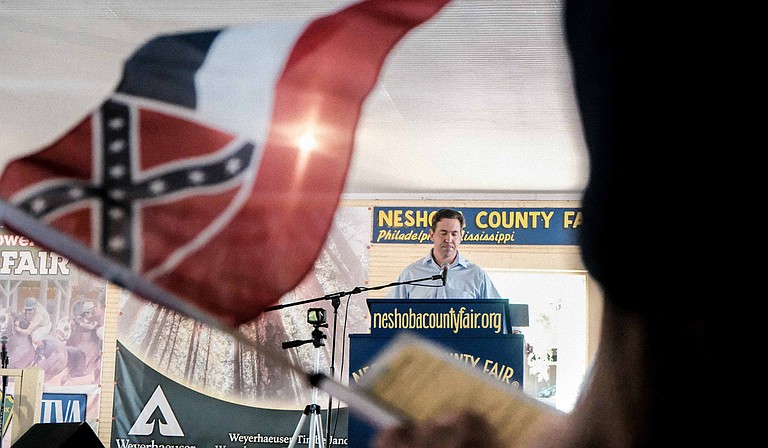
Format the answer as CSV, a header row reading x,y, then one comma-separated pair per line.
x,y
130,177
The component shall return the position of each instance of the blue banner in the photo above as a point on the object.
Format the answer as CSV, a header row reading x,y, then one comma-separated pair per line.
x,y
63,408
542,226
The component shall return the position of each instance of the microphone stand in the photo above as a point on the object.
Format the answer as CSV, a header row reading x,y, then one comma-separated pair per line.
x,y
4,365
335,299
356,290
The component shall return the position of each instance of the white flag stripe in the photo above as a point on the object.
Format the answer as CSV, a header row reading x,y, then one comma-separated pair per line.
x,y
236,83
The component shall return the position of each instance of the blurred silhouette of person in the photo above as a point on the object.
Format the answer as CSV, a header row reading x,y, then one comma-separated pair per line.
x,y
646,126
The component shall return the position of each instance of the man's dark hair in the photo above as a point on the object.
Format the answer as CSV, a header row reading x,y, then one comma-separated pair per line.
x,y
446,213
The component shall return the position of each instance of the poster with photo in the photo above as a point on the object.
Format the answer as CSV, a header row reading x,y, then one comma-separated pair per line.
x,y
52,318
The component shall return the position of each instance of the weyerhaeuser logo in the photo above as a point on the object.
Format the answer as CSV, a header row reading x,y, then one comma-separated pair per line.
x,y
145,425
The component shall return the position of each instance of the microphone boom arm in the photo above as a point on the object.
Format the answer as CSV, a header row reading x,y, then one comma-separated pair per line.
x,y
356,290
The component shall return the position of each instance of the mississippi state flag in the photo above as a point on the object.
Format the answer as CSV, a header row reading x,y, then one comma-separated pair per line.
x,y
216,167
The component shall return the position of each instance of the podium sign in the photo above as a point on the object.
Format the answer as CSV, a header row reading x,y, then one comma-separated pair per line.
x,y
473,331
440,317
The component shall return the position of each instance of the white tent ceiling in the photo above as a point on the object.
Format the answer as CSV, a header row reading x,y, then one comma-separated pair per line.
x,y
476,103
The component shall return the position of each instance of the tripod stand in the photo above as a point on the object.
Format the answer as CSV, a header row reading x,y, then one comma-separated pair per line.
x,y
335,299
313,409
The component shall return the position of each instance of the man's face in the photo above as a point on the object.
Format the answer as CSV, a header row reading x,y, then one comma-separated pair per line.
x,y
446,239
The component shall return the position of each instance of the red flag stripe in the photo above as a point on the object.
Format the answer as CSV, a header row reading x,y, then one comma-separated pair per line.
x,y
333,67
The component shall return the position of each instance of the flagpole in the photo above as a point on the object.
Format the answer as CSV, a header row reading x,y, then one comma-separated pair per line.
x,y
44,235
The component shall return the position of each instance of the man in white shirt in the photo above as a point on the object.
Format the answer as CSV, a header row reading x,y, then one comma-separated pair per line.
x,y
463,279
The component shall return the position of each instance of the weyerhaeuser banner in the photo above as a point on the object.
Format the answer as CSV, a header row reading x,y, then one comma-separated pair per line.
x,y
152,410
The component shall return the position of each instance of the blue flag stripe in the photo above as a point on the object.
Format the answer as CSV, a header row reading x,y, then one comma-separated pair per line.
x,y
164,68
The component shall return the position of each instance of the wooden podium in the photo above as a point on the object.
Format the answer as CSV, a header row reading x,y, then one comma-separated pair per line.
x,y
28,403
478,332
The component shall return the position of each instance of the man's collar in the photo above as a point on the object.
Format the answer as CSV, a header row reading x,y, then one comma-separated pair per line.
x,y
458,261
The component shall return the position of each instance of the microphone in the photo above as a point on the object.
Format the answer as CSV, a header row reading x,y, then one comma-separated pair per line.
x,y
291,344
444,273
4,358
